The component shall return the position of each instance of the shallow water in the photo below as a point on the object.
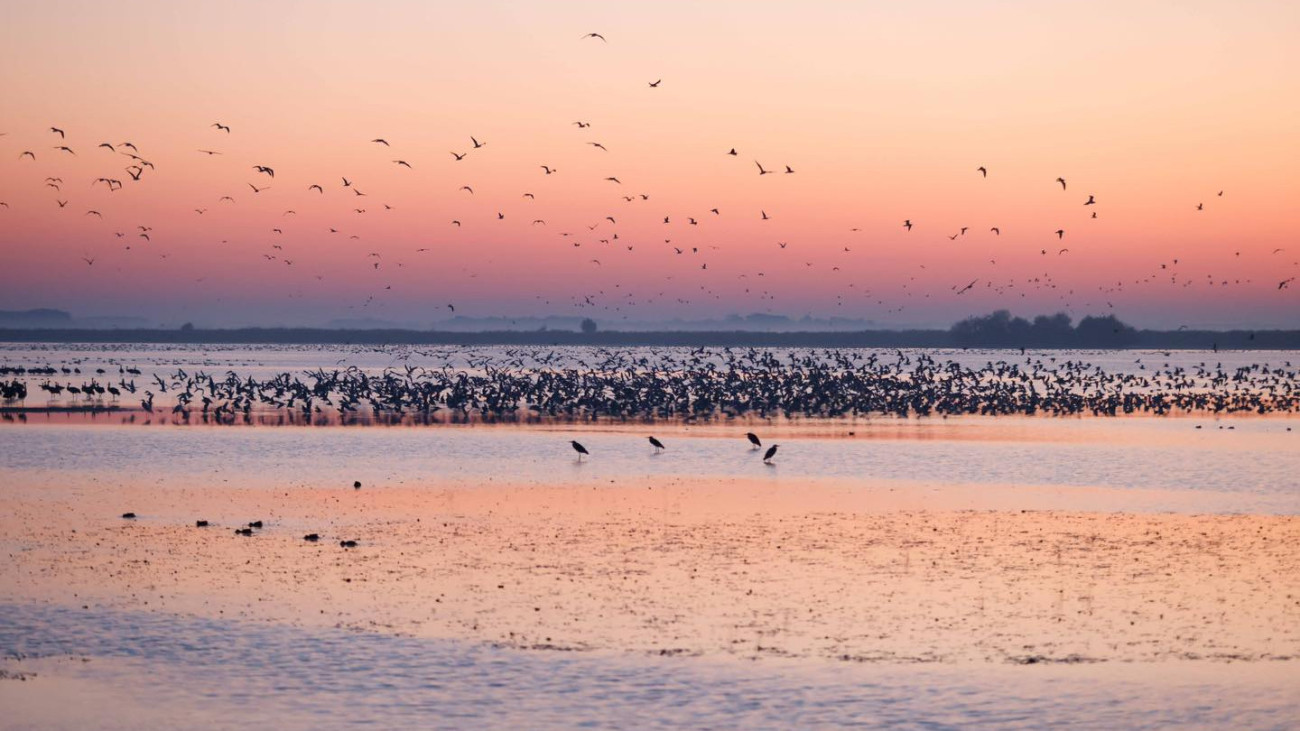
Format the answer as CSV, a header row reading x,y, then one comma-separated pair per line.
x,y
851,545
228,673
280,385
1254,467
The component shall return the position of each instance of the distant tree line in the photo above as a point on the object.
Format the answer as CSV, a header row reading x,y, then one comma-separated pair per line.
x,y
1001,329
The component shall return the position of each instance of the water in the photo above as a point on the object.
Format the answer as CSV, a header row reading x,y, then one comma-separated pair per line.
x,y
228,674
232,623
1255,466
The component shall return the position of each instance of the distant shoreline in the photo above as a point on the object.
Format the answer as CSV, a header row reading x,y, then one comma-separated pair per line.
x,y
1140,339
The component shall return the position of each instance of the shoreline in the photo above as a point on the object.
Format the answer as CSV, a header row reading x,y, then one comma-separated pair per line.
x,y
1207,340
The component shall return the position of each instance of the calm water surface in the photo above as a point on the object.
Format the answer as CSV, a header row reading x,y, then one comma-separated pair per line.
x,y
228,673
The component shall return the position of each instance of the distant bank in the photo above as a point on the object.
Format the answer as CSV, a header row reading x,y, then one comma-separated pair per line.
x,y
954,338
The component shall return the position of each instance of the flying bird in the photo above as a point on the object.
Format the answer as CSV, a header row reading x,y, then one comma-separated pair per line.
x,y
219,126
982,171
381,141
1062,182
593,35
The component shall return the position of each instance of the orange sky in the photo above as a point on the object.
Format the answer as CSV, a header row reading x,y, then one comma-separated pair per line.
x,y
883,111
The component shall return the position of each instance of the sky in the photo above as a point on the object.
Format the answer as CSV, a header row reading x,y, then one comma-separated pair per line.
x,y
884,111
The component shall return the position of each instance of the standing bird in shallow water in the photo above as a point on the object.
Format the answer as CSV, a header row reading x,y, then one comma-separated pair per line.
x,y
771,452
658,445
581,450
753,439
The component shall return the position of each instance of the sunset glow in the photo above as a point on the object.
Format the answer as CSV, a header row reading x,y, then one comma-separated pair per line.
x,y
884,112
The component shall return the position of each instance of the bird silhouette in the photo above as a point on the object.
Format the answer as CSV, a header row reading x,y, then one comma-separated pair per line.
x,y
581,450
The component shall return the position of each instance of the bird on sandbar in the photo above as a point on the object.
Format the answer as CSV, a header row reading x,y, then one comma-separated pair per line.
x,y
771,452
658,445
754,440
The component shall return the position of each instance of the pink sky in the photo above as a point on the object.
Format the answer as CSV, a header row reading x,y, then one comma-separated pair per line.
x,y
884,112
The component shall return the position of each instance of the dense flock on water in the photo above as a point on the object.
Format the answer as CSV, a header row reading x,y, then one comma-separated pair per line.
x,y
650,384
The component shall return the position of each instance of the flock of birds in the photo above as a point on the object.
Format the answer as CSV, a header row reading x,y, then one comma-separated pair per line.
x,y
250,528
334,209
523,385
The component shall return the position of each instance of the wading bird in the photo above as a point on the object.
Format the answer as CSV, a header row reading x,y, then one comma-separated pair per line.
x,y
581,450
